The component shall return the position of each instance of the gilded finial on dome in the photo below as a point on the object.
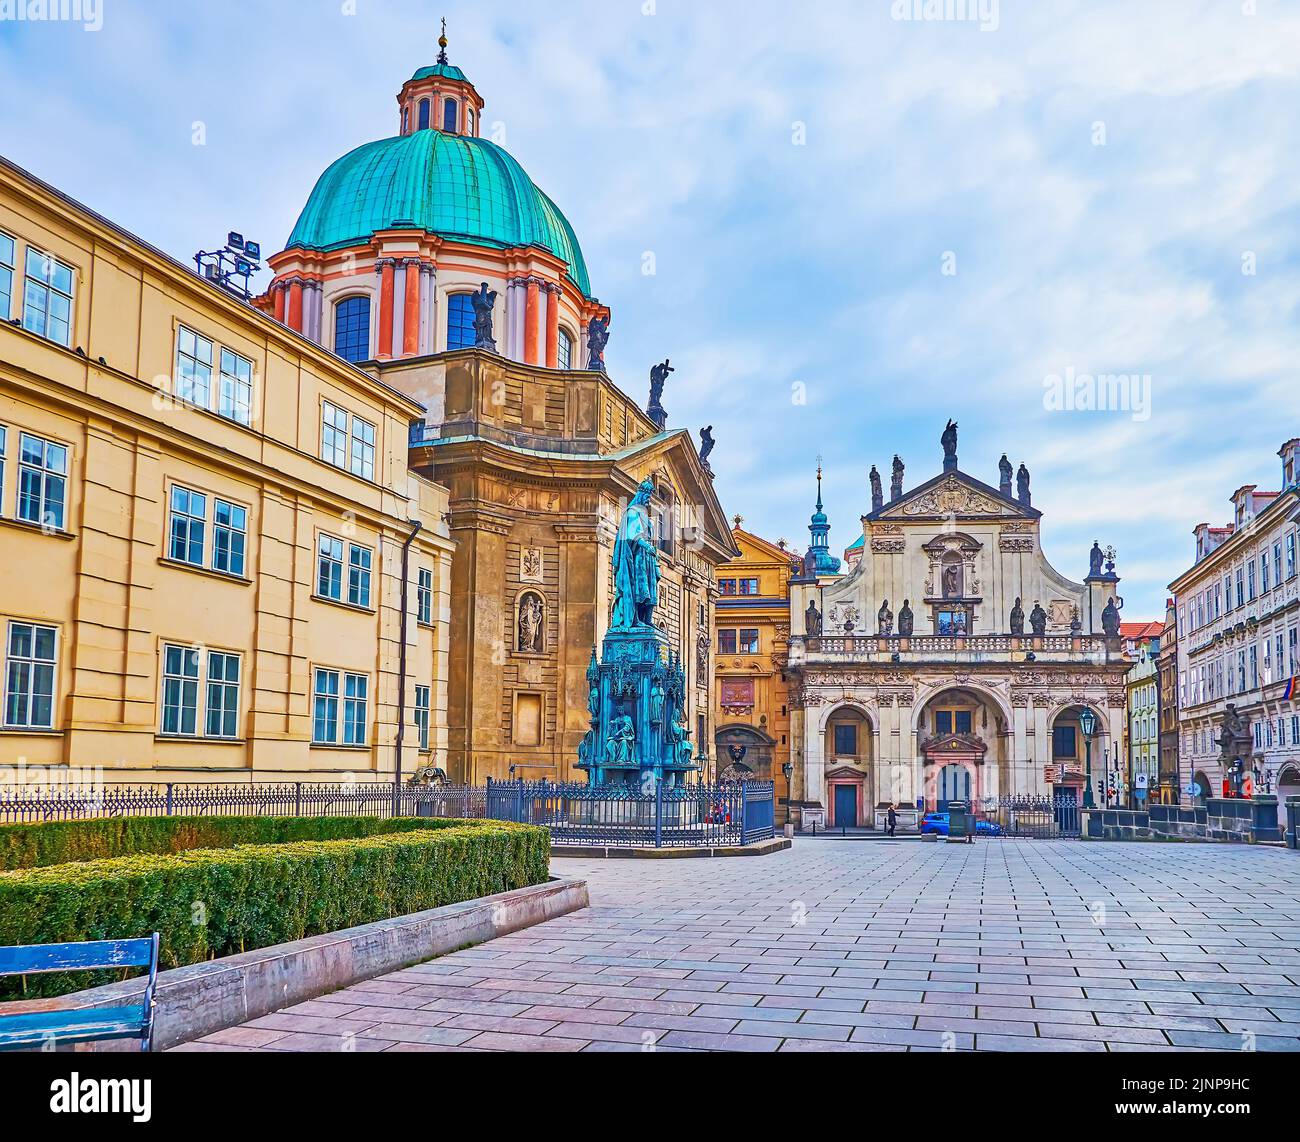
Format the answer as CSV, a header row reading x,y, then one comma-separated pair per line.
x,y
442,42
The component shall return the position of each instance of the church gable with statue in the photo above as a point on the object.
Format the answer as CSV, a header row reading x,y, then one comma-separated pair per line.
x,y
951,661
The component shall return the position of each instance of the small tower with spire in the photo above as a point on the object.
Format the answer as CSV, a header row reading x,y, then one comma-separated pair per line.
x,y
440,98
819,560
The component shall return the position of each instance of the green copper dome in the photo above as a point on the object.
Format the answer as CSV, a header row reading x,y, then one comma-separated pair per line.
x,y
445,70
459,187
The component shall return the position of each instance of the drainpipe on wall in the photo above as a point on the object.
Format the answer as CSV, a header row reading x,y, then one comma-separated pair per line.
x,y
416,527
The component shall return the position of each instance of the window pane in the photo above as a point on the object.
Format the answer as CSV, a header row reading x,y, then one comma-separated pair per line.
x,y
460,321
352,329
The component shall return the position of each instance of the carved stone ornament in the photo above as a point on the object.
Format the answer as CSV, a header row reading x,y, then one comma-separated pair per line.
x,y
952,497
530,565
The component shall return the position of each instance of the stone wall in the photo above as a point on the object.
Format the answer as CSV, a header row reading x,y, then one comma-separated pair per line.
x,y
1227,819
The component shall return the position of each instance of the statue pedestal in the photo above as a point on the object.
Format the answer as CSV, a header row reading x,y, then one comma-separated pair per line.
x,y
637,692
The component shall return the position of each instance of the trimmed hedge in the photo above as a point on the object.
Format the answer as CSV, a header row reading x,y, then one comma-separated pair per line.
x,y
101,838
214,902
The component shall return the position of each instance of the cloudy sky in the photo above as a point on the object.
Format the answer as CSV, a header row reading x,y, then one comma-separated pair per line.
x,y
857,225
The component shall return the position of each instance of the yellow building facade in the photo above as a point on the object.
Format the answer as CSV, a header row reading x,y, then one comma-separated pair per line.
x,y
751,712
203,518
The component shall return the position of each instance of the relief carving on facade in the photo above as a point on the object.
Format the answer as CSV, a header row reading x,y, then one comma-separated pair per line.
x,y
530,565
952,498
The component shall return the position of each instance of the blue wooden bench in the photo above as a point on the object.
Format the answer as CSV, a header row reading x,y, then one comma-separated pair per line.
x,y
84,1025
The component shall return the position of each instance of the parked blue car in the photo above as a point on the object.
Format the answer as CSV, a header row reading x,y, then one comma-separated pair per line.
x,y
938,823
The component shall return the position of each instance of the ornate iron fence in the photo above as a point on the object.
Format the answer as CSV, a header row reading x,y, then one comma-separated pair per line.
x,y
623,816
1041,818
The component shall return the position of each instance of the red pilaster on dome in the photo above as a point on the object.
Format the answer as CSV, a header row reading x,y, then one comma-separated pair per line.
x,y
411,314
552,326
385,348
531,323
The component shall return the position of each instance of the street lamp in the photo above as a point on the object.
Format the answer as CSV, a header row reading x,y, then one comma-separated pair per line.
x,y
788,769
1088,726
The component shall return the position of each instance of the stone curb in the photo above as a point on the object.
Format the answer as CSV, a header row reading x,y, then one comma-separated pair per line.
x,y
603,852
199,999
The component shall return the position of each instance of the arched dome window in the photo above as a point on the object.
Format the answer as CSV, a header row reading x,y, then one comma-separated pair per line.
x,y
424,115
460,321
565,351
449,110
352,329
469,120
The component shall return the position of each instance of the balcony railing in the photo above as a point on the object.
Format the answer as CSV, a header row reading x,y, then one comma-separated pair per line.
x,y
927,644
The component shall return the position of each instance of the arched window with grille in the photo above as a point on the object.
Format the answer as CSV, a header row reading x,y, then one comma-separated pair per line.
x,y
352,329
460,321
565,352
449,110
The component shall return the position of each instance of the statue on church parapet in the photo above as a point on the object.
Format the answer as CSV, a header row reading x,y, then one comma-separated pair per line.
x,y
905,619
885,620
483,302
1038,620
636,565
949,442
896,481
1018,618
812,620
1004,476
655,409
597,339
1022,485
1095,557
706,448
1110,618
877,496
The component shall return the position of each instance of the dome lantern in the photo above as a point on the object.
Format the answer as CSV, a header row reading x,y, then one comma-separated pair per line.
x,y
440,97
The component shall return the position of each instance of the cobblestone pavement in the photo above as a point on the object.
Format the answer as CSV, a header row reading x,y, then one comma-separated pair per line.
x,y
861,946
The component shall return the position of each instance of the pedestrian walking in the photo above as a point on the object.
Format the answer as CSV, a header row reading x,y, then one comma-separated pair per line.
x,y
891,819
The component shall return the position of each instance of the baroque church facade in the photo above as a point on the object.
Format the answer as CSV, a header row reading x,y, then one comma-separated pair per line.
x,y
951,660
433,262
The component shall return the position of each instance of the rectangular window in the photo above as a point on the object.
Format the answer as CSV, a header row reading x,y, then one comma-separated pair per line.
x,y
1241,591
334,435
189,513
1277,563
235,388
846,741
193,368
223,695
359,559
424,596
42,481
749,642
1254,667
422,716
951,622
354,708
1227,592
1291,651
726,586
748,586
7,250
943,722
1290,556
1064,742
726,642
1263,573
47,297
4,438
363,449
180,698
325,707
1250,580
229,536
329,568
30,659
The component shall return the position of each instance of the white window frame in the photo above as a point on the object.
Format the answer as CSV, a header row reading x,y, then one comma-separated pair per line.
x,y
221,694
7,272
36,668
422,707
232,531
334,435
180,689
361,561
362,437
46,288
424,596
331,549
235,387
47,475
4,439
198,683
191,522
193,369
347,697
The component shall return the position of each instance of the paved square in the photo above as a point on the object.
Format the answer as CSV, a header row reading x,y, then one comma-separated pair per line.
x,y
861,946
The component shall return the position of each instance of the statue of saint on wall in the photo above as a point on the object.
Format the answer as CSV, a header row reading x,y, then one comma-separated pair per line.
x,y
812,620
1110,618
885,620
636,565
1095,557
952,581
621,743
1022,485
896,481
1004,476
597,339
905,619
877,496
531,614
658,377
483,303
1234,734
1018,618
702,645
1038,620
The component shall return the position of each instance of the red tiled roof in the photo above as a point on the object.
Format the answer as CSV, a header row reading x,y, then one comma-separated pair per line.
x,y
1135,630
